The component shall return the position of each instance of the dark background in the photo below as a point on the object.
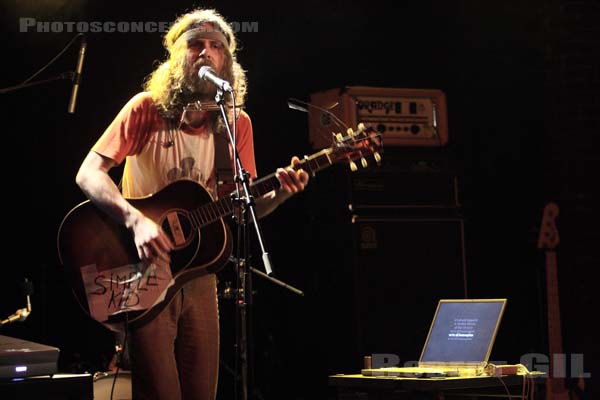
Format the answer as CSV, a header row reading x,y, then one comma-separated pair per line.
x,y
522,85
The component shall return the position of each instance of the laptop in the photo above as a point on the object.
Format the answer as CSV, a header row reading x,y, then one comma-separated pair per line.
x,y
459,341
21,358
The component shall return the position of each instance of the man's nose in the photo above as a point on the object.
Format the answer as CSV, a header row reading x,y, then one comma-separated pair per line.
x,y
205,53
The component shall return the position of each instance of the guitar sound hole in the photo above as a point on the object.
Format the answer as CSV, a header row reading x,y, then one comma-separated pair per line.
x,y
179,227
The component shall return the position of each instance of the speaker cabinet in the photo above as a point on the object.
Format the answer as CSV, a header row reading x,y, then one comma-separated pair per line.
x,y
403,266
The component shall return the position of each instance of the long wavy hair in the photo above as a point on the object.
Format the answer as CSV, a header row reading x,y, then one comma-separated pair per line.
x,y
168,84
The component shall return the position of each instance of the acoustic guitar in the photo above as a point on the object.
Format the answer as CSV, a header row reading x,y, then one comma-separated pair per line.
x,y
108,279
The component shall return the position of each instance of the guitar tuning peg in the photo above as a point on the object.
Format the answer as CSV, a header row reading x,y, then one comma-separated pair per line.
x,y
350,132
377,157
353,166
339,137
363,162
361,127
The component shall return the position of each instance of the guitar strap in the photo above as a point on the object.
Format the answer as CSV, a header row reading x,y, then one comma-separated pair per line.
x,y
223,171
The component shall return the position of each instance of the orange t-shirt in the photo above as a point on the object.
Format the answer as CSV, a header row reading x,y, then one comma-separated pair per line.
x,y
157,153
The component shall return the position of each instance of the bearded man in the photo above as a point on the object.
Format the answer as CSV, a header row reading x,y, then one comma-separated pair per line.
x,y
162,138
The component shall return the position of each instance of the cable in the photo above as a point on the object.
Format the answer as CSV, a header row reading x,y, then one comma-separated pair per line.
x,y
51,61
528,385
26,83
120,356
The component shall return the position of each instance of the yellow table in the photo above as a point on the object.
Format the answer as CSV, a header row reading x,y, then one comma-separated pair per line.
x,y
350,387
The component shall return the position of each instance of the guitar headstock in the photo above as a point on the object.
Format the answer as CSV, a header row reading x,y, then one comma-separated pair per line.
x,y
548,238
357,145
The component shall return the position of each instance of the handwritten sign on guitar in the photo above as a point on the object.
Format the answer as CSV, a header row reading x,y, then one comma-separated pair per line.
x,y
128,288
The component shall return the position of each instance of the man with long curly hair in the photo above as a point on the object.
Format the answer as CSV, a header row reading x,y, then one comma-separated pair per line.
x,y
162,139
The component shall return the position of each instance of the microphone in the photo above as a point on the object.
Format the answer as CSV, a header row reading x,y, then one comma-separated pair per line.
x,y
209,74
77,76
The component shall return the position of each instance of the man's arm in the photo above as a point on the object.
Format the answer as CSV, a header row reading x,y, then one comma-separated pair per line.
x,y
95,182
291,181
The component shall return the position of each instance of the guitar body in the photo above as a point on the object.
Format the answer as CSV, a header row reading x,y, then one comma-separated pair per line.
x,y
89,238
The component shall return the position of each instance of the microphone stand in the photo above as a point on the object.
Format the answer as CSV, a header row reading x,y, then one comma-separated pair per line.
x,y
233,294
243,200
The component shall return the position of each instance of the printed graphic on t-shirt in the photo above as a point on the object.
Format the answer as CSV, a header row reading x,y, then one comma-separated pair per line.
x,y
186,170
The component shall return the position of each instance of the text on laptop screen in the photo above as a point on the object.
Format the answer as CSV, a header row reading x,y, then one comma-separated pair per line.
x,y
463,331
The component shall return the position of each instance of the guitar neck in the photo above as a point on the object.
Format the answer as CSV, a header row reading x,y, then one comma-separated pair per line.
x,y
557,363
211,212
556,387
554,324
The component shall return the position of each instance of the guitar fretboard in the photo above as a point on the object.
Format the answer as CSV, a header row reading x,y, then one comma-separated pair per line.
x,y
211,212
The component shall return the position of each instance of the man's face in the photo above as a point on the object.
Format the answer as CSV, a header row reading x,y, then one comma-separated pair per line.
x,y
202,51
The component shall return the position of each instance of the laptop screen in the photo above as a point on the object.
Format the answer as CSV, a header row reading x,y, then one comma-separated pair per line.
x,y
463,331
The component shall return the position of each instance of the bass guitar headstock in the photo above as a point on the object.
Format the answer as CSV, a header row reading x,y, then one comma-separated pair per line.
x,y
548,238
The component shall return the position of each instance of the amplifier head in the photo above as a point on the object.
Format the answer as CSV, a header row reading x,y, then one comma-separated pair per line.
x,y
404,117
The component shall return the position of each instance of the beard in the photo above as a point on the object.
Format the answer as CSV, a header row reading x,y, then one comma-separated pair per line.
x,y
196,88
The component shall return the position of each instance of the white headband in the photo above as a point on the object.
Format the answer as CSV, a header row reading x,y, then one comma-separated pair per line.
x,y
203,33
